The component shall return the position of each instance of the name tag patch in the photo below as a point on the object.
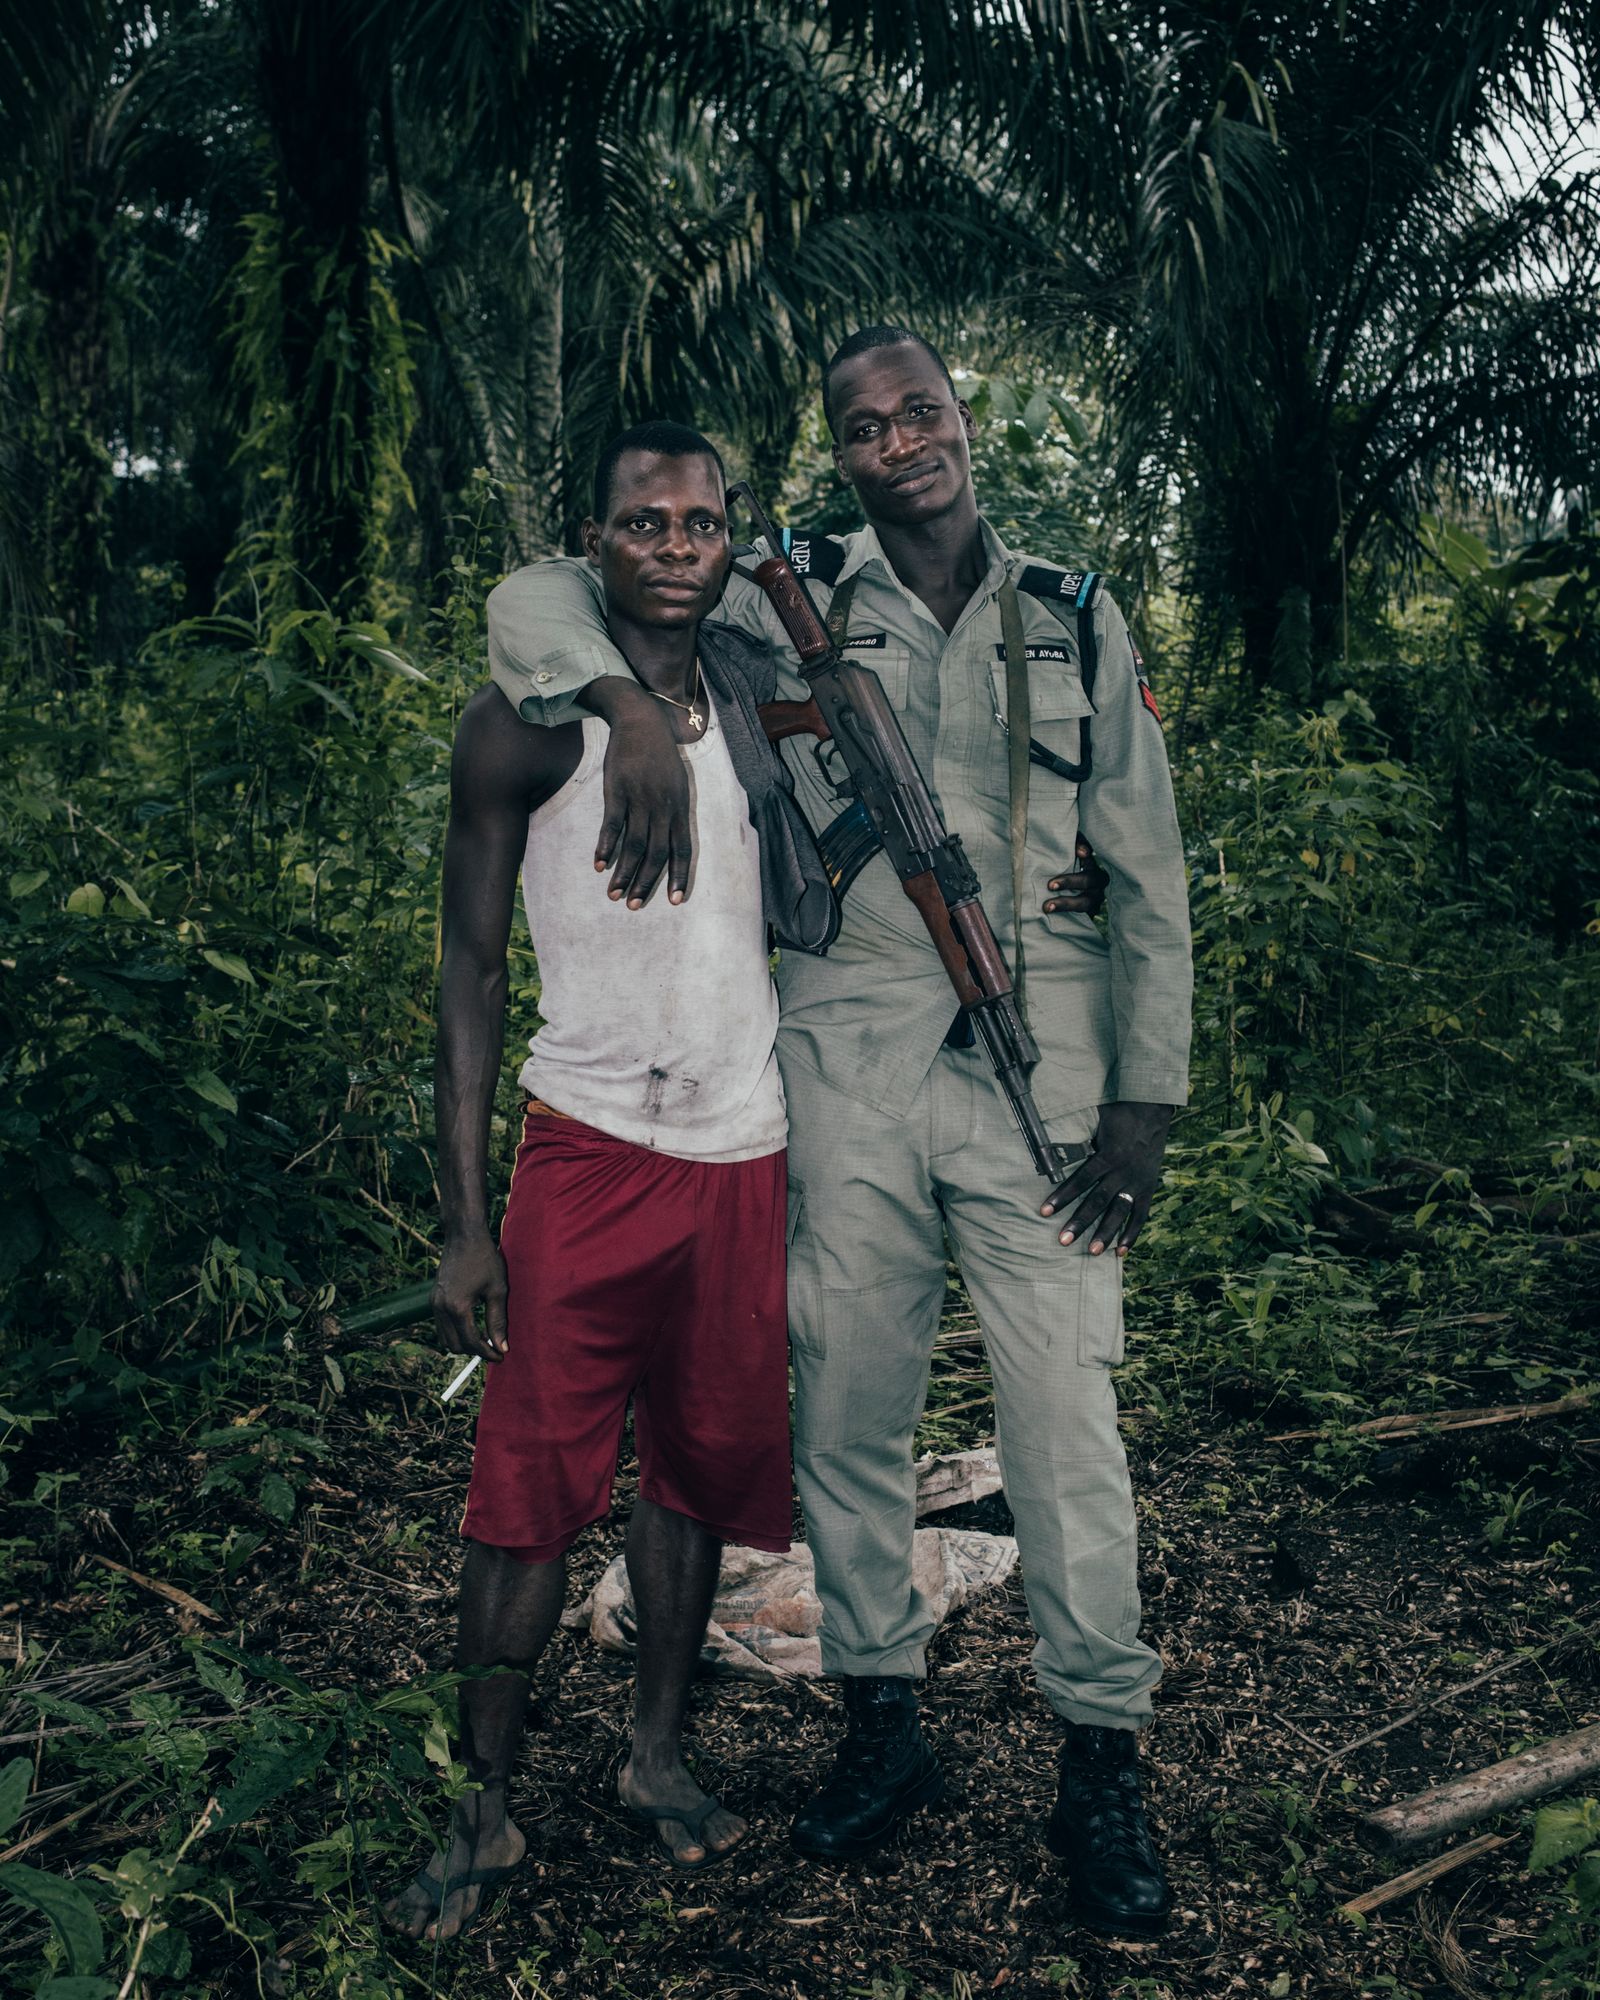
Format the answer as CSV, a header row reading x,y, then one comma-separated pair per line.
x,y
1057,653
866,642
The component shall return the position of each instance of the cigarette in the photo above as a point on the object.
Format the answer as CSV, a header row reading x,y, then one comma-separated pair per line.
x,y
461,1380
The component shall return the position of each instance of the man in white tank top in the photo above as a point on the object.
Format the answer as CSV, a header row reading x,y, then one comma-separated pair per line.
x,y
641,1253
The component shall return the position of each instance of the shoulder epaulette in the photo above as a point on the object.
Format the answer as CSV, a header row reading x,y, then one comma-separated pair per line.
x,y
1077,590
1078,587
819,556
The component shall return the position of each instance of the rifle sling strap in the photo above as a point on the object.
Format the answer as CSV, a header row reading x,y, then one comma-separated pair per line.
x,y
1019,722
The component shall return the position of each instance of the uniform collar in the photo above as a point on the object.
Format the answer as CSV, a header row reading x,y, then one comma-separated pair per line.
x,y
863,549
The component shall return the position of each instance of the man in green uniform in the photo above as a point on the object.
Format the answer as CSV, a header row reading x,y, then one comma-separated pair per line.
x,y
899,1135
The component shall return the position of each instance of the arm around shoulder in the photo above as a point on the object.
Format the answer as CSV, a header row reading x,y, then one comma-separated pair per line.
x,y
548,639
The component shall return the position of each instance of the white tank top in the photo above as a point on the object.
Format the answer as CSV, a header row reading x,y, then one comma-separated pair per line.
x,y
658,1023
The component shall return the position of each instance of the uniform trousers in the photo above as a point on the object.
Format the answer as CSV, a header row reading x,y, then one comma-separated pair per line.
x,y
872,1201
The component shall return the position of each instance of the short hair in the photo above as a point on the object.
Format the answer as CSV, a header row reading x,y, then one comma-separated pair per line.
x,y
666,440
863,342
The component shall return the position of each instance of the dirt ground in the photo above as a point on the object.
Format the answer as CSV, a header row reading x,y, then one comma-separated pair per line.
x,y
1293,1620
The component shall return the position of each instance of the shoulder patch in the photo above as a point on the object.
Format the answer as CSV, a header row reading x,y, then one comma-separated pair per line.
x,y
1146,692
819,556
1078,587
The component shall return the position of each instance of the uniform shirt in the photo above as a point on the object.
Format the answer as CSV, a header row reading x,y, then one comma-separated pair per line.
x,y
1109,1007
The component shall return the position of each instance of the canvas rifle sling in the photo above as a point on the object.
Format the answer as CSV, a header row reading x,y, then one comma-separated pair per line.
x,y
1019,722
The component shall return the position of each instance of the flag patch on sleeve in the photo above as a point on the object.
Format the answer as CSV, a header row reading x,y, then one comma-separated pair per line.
x,y
1145,693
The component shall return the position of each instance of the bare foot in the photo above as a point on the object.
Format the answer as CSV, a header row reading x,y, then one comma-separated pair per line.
x,y
672,1786
415,1911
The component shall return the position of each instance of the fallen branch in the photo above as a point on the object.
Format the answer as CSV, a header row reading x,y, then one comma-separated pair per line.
x,y
1447,1808
955,1409
169,1591
1358,1225
37,1735
1419,1878
1404,1424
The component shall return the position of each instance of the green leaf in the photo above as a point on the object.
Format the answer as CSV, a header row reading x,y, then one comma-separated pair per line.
x,y
65,1907
73,1987
207,1084
88,900
226,1681
1562,1831
235,968
275,1496
132,895
25,881
277,1772
14,1791
1036,414
436,1743
335,1374
1072,423
369,642
1003,399
59,1709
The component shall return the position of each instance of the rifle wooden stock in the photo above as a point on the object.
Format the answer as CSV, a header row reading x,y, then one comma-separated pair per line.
x,y
982,947
931,906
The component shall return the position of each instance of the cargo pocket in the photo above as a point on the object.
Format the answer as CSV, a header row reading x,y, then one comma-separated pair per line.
x,y
1101,1341
805,1299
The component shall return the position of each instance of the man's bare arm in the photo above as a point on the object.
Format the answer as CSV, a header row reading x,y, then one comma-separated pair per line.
x,y
500,769
550,651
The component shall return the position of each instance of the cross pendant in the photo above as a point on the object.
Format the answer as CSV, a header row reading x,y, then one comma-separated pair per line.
x,y
696,719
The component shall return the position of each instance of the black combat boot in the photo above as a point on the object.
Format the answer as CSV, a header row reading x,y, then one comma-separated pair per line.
x,y
1099,1829
884,1771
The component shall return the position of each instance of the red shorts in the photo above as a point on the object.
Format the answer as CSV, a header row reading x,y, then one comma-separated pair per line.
x,y
633,1274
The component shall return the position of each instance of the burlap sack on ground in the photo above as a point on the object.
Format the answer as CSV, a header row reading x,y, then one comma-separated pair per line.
x,y
953,1478
765,1619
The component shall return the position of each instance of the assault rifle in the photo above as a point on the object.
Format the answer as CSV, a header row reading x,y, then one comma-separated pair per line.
x,y
888,804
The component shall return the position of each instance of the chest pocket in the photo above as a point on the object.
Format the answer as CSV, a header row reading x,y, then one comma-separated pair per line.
x,y
889,659
1058,706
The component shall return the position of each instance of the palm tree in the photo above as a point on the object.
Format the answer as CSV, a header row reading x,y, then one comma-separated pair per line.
x,y
695,213
1334,297
86,100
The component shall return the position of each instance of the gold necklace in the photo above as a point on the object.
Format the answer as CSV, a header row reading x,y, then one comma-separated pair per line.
x,y
696,719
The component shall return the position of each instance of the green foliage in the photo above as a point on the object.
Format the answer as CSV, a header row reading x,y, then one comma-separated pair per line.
x,y
253,345
1570,1948
1312,850
219,930
237,1800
